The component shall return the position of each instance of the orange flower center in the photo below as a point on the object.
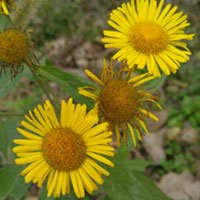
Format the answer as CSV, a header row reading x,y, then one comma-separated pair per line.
x,y
149,38
13,45
63,149
118,102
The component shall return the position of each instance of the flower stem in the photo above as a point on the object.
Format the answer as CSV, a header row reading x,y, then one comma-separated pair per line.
x,y
7,114
45,90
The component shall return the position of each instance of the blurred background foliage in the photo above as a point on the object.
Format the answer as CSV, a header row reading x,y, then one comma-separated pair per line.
x,y
68,32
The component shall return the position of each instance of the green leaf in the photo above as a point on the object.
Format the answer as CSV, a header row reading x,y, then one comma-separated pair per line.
x,y
145,188
7,84
20,188
9,175
69,82
156,83
135,164
3,140
123,185
105,198
5,22
126,180
43,193
10,127
13,133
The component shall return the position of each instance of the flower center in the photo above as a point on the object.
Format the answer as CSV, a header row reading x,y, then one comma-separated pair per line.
x,y
13,45
118,101
148,38
63,149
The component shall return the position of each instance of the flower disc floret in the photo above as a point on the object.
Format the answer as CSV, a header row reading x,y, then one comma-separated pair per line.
x,y
63,149
148,38
13,45
118,101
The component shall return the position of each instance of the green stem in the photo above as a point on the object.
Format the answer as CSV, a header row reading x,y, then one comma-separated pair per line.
x,y
7,114
54,96
45,90
40,84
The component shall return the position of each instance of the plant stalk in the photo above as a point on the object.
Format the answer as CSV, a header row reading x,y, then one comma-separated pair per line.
x,y
44,89
7,114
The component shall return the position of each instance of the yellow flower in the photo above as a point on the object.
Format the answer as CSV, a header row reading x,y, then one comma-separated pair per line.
x,y
120,102
149,35
65,150
16,46
3,6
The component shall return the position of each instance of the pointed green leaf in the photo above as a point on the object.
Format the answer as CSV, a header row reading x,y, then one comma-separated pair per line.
x,y
126,180
3,140
135,164
9,175
155,83
6,84
69,82
20,189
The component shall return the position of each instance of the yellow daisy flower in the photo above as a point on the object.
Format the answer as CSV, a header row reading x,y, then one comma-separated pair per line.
x,y
65,150
120,102
149,35
3,6
16,46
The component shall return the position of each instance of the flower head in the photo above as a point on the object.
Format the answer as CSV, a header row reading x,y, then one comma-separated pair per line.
x,y
65,150
147,35
120,101
3,6
16,46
